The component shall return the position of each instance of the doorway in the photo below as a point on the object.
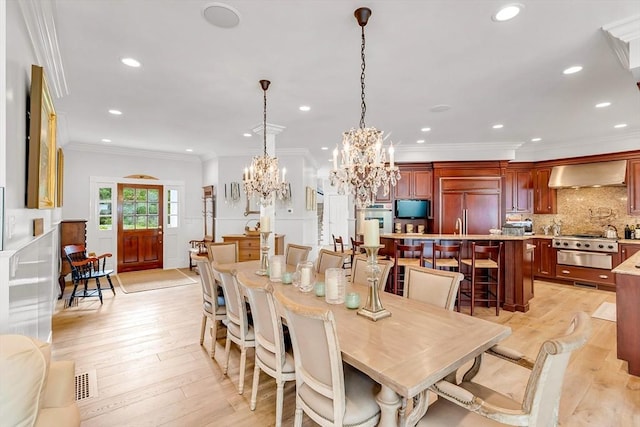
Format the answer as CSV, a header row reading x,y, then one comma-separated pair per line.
x,y
140,236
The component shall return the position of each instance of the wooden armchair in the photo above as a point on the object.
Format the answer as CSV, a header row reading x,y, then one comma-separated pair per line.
x,y
84,268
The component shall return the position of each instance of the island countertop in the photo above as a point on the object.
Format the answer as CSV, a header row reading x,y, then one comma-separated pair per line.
x,y
629,266
418,236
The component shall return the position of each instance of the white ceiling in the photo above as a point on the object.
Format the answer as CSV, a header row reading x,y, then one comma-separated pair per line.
x,y
198,85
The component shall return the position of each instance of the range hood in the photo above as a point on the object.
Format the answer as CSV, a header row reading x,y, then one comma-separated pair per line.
x,y
589,175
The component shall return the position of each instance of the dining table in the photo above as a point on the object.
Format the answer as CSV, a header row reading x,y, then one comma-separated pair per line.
x,y
418,345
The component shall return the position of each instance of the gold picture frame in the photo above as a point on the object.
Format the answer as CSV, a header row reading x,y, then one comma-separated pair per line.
x,y
42,154
60,178
310,199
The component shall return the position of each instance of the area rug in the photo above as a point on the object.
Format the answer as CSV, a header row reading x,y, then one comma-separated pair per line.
x,y
148,280
606,311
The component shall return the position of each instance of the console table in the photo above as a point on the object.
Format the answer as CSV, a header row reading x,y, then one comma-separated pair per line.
x,y
249,245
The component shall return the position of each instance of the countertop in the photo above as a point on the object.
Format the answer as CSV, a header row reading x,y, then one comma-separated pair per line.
x,y
629,266
499,237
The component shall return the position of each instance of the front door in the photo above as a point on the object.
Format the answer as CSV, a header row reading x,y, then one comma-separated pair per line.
x,y
139,227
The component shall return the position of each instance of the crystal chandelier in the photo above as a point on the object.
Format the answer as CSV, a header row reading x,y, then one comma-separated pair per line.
x,y
262,178
362,170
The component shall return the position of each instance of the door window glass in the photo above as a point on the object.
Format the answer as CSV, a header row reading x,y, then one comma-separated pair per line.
x,y
105,208
172,208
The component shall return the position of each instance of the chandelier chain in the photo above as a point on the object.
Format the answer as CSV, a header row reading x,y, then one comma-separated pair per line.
x,y
363,105
264,121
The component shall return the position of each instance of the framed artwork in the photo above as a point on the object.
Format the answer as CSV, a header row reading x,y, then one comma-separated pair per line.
x,y
60,178
41,151
253,205
310,199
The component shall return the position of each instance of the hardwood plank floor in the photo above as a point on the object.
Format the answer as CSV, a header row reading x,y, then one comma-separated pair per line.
x,y
151,370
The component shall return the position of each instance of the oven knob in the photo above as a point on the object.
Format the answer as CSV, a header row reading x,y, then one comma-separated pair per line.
x,y
610,246
566,244
578,245
601,246
557,243
587,245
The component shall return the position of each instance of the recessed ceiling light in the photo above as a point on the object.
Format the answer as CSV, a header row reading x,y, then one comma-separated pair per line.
x,y
507,12
189,150
603,104
425,129
105,140
420,141
304,108
498,126
324,148
440,108
620,126
221,15
247,135
573,69
115,112
130,62
536,139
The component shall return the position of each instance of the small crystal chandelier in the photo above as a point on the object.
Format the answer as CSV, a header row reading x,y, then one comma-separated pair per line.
x,y
262,178
362,167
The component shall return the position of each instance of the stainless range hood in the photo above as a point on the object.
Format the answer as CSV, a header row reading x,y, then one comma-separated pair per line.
x,y
589,175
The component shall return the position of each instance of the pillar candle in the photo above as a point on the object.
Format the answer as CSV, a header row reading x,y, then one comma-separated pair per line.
x,y
335,159
265,224
331,288
305,276
276,270
371,232
391,151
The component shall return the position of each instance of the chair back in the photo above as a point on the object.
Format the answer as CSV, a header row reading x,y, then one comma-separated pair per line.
x,y
236,308
267,324
450,253
436,287
542,395
209,287
359,271
75,255
318,363
409,251
296,253
223,252
486,252
329,259
338,243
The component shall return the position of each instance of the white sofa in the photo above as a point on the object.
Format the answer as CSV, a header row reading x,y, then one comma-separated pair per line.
x,y
34,391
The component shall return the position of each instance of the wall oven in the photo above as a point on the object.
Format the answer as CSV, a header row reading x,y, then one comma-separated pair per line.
x,y
586,258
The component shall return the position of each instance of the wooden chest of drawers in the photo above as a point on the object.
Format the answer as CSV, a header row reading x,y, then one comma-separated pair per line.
x,y
249,246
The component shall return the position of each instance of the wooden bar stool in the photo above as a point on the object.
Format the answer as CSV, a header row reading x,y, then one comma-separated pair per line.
x,y
405,255
445,257
484,261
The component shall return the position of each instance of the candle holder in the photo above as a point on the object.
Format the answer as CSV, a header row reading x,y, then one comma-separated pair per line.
x,y
264,253
373,309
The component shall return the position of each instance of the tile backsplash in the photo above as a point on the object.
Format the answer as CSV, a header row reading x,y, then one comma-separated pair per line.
x,y
589,210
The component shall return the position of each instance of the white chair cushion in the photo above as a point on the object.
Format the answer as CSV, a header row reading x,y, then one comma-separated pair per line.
x,y
269,359
234,330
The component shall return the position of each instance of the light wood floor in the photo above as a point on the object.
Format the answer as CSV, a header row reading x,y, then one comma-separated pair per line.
x,y
152,371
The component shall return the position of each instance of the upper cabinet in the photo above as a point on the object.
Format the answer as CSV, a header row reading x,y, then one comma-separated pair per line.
x,y
633,186
414,184
544,198
518,190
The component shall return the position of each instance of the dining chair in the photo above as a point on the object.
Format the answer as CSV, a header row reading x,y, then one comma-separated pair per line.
x,y
239,331
338,243
484,279
445,256
223,252
270,354
329,392
211,307
436,287
197,248
359,271
356,248
404,256
329,259
473,404
296,253
85,268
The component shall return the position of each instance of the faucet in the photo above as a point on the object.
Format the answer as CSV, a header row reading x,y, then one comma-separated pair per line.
x,y
458,225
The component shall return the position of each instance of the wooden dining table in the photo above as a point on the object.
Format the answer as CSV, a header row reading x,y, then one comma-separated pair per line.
x,y
406,353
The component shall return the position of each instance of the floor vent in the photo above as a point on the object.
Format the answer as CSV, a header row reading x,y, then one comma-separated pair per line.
x,y
86,385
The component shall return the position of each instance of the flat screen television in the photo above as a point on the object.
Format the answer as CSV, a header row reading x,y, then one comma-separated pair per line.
x,y
412,209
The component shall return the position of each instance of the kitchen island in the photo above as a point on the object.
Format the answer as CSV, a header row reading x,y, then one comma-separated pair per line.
x,y
517,274
627,313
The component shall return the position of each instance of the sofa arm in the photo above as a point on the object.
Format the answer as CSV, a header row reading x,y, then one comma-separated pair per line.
x,y
61,383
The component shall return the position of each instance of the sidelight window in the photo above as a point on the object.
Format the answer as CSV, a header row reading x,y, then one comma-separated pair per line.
x,y
105,208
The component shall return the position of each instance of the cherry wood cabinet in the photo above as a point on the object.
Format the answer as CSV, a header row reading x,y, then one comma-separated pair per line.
x,y
72,232
414,184
518,191
544,197
633,186
477,199
544,262
628,249
584,274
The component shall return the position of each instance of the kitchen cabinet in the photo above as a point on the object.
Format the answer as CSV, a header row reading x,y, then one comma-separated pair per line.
x,y
475,201
633,186
628,249
596,276
249,246
382,198
414,184
544,258
544,198
518,191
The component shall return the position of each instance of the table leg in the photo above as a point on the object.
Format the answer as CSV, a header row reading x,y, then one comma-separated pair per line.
x,y
420,405
389,403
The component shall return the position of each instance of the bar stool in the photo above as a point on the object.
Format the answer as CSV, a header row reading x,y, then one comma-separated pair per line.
x,y
484,287
445,257
405,255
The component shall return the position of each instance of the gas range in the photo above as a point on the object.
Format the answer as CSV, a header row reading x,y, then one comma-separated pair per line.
x,y
586,242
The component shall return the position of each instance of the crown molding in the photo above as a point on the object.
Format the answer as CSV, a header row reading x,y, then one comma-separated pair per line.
x,y
41,26
457,151
126,151
624,38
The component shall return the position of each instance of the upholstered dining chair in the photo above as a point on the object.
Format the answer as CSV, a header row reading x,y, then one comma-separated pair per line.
x,y
436,287
212,308
239,331
473,404
403,256
296,253
329,259
329,392
85,268
271,356
359,271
